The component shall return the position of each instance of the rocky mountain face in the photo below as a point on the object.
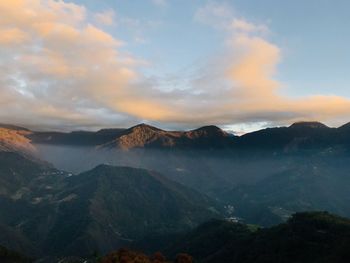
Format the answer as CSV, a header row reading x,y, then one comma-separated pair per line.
x,y
14,139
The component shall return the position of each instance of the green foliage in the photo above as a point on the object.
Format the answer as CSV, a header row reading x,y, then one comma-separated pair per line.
x,y
315,237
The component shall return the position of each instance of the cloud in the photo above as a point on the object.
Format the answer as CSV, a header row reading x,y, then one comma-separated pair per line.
x,y
105,18
214,14
58,69
9,36
239,86
247,27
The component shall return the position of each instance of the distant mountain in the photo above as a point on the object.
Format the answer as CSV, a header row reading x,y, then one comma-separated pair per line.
x,y
306,237
308,125
76,138
345,127
168,152
13,127
139,136
298,136
207,159
142,136
309,184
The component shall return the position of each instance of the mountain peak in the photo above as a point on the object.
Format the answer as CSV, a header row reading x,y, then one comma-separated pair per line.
x,y
144,127
12,127
309,124
209,131
208,128
346,126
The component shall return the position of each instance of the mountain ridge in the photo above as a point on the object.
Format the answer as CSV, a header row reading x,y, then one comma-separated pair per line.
x,y
299,135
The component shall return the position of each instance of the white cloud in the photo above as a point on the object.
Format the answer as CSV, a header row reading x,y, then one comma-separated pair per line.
x,y
242,25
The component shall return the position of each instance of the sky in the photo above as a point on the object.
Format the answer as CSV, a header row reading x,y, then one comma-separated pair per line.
x,y
177,64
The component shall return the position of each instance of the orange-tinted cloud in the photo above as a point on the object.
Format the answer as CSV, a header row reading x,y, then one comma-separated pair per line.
x,y
57,65
59,68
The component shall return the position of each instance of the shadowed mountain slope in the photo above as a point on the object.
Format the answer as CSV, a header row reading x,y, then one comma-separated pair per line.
x,y
110,206
100,210
9,256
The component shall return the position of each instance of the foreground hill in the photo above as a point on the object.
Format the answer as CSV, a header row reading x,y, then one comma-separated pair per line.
x,y
51,212
129,256
110,206
317,237
8,256
27,187
310,237
20,176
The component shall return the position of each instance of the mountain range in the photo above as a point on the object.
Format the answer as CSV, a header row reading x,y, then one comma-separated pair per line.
x,y
80,192
301,134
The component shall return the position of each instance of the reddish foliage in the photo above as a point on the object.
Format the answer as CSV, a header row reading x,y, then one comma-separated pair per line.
x,y
127,256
